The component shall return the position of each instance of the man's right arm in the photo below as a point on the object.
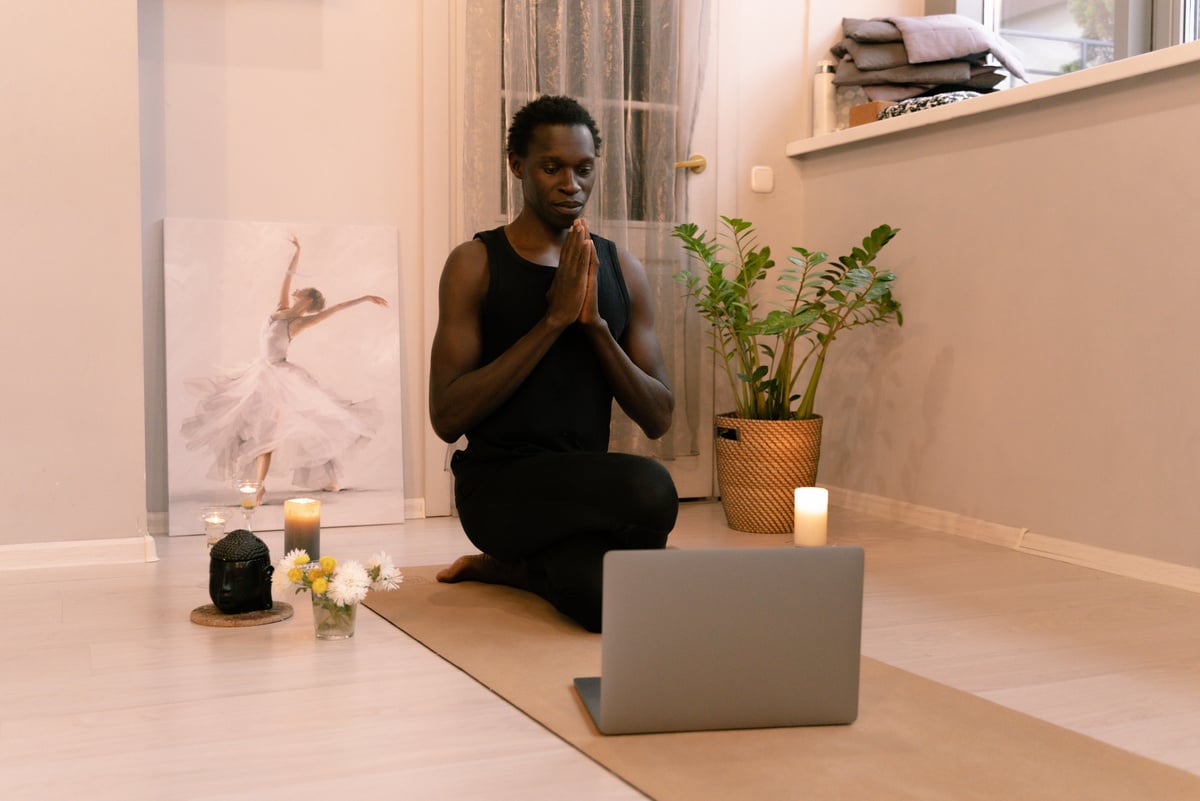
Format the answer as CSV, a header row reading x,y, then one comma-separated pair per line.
x,y
462,392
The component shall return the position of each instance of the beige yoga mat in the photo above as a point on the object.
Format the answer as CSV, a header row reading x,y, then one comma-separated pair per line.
x,y
914,739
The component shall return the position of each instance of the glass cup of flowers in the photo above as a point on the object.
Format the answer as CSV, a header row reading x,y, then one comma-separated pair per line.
x,y
336,588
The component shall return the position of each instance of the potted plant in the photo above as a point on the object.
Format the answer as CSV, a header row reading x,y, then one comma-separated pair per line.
x,y
771,442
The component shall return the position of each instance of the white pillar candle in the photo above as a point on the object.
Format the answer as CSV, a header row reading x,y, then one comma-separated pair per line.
x,y
302,526
812,508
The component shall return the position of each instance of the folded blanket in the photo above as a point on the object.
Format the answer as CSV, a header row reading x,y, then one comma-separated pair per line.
x,y
939,37
942,72
872,56
948,36
870,30
984,78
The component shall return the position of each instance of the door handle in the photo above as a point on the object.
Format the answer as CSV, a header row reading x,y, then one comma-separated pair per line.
x,y
696,163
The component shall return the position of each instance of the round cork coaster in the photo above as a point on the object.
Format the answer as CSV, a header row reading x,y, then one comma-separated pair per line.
x,y
210,615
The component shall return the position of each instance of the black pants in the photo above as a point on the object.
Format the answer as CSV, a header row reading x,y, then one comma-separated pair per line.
x,y
557,514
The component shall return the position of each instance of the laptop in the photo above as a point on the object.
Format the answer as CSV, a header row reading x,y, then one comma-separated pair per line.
x,y
732,638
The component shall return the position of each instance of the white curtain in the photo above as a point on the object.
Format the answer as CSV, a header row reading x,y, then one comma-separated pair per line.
x,y
637,66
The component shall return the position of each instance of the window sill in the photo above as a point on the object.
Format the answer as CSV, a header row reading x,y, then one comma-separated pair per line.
x,y
1132,67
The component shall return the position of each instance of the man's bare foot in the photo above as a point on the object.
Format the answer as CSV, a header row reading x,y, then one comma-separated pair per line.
x,y
484,568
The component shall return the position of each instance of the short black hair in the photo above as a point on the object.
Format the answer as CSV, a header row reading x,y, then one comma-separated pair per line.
x,y
548,110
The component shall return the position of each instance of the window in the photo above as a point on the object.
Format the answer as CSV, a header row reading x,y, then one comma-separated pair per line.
x,y
1059,36
1055,37
1191,21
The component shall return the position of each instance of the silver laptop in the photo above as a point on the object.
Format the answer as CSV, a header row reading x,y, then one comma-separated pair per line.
x,y
733,638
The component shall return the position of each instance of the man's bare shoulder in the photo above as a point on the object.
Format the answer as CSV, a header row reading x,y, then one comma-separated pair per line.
x,y
468,254
466,272
467,262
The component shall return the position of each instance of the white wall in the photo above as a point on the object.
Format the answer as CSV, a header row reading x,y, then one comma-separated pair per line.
x,y
1044,379
1046,374
71,420
299,111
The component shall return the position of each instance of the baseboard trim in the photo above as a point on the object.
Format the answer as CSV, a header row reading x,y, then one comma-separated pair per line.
x,y
77,553
414,508
159,523
1123,564
1023,540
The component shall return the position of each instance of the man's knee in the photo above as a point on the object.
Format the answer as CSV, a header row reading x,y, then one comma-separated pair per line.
x,y
652,495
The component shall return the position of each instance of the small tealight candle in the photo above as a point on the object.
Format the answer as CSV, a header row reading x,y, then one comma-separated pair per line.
x,y
812,507
249,493
214,526
302,526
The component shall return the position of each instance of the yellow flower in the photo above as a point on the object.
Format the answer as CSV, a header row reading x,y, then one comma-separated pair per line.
x,y
315,573
319,586
295,575
302,559
328,563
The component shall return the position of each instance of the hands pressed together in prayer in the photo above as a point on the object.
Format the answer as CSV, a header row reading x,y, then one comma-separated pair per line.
x,y
572,295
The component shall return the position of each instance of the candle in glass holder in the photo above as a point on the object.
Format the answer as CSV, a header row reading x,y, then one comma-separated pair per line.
x,y
249,494
214,526
302,526
812,505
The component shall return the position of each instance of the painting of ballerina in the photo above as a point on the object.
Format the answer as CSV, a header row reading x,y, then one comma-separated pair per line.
x,y
283,371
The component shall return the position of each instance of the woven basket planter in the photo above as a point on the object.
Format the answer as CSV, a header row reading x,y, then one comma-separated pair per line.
x,y
759,464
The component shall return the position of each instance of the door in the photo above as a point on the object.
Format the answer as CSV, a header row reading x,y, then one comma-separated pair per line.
x,y
487,92
707,191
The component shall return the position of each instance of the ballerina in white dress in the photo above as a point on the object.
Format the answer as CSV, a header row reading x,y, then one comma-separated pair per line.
x,y
275,411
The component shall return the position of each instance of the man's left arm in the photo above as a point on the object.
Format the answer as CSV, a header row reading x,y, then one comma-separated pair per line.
x,y
634,366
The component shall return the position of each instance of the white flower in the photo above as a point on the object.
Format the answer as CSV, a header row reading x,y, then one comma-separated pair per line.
x,y
289,561
279,579
384,575
349,584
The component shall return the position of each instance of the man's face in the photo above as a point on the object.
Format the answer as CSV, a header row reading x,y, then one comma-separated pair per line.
x,y
558,172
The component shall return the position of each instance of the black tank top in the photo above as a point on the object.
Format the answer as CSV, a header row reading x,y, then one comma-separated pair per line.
x,y
565,404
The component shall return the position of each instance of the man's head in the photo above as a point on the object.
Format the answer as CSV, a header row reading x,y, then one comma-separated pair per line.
x,y
239,574
548,110
552,148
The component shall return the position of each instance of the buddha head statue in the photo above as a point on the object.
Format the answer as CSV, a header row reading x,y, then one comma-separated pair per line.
x,y
239,573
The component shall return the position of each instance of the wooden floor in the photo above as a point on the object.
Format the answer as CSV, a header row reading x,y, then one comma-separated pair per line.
x,y
107,691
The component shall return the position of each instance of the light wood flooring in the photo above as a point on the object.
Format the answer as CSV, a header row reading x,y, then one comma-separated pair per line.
x,y
107,691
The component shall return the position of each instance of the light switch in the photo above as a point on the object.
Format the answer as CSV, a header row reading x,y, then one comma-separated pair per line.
x,y
762,179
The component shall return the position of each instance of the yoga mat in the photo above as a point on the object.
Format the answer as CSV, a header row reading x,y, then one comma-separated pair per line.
x,y
914,739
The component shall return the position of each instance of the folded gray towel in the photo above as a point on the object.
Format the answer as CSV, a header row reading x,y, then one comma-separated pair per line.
x,y
948,36
985,78
954,72
872,56
870,30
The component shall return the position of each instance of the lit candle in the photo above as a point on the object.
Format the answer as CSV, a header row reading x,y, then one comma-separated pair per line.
x,y
812,505
302,526
249,493
214,526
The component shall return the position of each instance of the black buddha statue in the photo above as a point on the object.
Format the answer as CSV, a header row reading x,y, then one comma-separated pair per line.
x,y
239,573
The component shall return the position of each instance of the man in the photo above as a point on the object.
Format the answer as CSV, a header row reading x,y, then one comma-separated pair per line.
x,y
541,325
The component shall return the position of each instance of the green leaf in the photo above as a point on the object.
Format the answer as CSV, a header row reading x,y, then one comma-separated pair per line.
x,y
812,300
